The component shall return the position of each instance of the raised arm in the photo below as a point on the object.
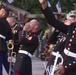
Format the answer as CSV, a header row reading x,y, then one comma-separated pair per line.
x,y
43,3
50,17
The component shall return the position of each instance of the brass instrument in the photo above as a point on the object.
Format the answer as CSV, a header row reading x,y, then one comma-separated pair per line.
x,y
54,67
13,59
10,45
57,55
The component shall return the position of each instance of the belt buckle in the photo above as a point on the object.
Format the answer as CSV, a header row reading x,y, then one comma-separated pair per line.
x,y
26,53
68,53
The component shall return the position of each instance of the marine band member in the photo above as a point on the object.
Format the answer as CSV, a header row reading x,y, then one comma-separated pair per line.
x,y
69,53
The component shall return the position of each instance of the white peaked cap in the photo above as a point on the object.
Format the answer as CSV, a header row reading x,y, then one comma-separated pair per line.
x,y
70,14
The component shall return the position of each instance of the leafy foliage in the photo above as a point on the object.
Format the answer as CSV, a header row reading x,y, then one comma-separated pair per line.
x,y
33,6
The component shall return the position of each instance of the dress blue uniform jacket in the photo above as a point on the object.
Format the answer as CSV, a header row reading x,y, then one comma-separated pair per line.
x,y
70,45
5,31
5,35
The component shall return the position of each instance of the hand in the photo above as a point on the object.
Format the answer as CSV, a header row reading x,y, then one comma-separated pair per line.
x,y
60,70
9,59
67,22
43,3
27,27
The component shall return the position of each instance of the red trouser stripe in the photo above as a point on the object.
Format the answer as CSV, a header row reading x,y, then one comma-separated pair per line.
x,y
17,73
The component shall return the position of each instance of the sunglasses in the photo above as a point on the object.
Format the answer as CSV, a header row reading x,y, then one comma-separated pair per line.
x,y
73,16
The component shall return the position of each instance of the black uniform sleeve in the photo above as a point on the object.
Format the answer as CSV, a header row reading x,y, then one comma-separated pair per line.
x,y
53,21
5,29
10,34
53,38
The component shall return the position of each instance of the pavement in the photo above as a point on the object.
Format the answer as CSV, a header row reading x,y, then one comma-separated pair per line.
x,y
37,66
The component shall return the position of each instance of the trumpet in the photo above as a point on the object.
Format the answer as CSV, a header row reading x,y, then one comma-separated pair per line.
x,y
10,45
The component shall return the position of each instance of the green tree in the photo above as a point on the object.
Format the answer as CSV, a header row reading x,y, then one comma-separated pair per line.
x,y
33,6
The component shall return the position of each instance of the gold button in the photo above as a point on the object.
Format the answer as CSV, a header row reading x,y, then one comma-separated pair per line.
x,y
68,53
69,44
74,62
70,40
73,36
68,48
65,66
74,31
69,64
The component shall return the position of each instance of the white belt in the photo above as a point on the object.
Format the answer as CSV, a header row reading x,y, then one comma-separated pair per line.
x,y
69,53
25,52
3,37
55,53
